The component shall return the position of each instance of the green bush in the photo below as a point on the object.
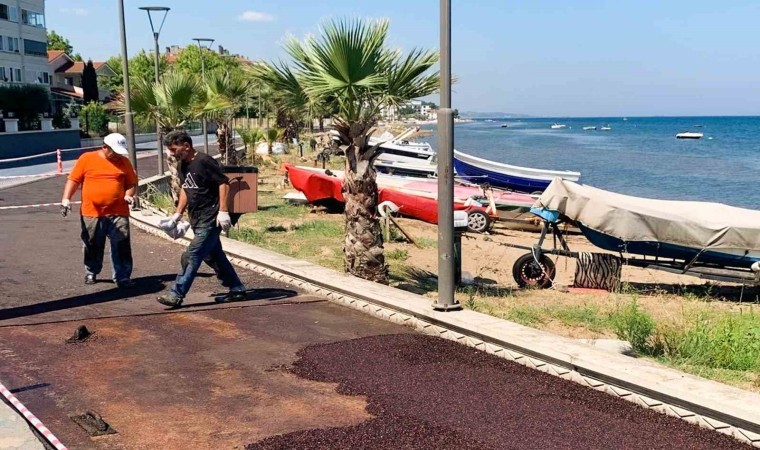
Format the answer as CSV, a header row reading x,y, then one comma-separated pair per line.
x,y
635,326
94,118
730,342
26,102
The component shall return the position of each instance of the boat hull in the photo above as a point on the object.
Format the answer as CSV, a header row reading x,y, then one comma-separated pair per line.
x,y
661,250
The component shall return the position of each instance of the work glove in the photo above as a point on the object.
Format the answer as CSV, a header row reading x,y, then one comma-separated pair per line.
x,y
178,231
129,199
170,223
223,220
65,207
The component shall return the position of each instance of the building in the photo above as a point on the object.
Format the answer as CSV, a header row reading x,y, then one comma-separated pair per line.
x,y
173,52
23,42
66,79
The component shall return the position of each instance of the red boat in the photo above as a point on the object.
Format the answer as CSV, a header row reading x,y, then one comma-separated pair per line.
x,y
316,185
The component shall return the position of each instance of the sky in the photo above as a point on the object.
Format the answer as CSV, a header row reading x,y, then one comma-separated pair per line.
x,y
549,58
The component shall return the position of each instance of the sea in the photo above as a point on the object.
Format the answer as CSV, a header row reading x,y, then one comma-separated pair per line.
x,y
637,156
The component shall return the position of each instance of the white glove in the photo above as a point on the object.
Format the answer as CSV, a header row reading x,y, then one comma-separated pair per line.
x,y
129,199
65,207
181,229
169,223
223,220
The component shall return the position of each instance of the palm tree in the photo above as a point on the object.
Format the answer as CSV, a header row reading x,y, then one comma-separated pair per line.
x,y
226,93
349,68
251,137
172,102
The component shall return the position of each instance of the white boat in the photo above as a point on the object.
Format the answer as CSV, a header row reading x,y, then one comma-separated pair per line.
x,y
689,135
423,169
556,126
589,128
405,151
606,128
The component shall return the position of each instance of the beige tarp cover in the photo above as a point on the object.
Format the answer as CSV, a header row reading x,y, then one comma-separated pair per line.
x,y
692,224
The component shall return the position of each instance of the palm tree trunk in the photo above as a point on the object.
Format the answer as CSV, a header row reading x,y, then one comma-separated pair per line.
x,y
221,140
363,247
174,178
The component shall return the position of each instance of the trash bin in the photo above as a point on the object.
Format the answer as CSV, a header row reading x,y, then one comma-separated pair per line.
x,y
460,227
243,196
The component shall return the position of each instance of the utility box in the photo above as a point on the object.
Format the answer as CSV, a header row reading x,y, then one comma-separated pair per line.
x,y
244,182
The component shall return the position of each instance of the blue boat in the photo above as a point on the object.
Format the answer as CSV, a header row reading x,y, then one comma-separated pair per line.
x,y
521,179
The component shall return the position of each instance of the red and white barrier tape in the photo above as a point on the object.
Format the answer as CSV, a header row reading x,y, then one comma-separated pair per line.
x,y
32,419
38,205
13,177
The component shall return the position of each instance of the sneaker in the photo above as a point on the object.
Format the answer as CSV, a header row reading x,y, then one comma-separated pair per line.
x,y
90,278
234,295
171,299
125,284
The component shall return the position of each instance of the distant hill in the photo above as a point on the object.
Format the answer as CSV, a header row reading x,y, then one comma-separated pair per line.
x,y
492,115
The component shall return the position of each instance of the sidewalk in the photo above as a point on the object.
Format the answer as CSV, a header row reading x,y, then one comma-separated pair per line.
x,y
14,431
282,369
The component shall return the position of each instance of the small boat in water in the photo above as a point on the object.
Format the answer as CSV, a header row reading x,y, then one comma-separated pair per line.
x,y
504,125
589,128
690,135
521,179
556,126
606,128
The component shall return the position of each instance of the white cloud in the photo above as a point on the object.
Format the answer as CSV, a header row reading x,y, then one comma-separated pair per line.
x,y
76,11
255,16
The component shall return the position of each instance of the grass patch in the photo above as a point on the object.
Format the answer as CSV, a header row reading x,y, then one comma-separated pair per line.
x,y
525,315
398,254
590,317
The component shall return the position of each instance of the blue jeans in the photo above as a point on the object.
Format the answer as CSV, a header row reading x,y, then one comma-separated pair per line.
x,y
206,245
95,230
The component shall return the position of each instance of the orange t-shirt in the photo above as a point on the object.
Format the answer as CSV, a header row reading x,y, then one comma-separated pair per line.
x,y
104,183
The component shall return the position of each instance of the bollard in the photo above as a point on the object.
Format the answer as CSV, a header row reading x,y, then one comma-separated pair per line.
x,y
60,161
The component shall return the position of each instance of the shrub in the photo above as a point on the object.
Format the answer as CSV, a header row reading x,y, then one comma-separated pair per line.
x,y
635,326
27,102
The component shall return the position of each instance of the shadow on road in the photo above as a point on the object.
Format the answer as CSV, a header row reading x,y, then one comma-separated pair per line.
x,y
143,286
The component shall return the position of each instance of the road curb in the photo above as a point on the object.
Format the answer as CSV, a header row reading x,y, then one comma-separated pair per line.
x,y
698,401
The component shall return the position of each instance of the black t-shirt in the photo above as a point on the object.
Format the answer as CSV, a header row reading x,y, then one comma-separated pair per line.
x,y
200,179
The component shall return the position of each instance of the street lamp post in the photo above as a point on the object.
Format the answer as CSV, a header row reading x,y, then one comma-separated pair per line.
x,y
204,43
128,114
446,257
158,10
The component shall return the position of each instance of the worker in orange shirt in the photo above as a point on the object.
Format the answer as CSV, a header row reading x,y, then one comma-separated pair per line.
x,y
108,187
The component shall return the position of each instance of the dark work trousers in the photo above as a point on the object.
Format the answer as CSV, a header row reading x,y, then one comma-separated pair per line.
x,y
95,230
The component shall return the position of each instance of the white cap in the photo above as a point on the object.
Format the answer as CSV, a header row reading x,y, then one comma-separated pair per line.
x,y
117,142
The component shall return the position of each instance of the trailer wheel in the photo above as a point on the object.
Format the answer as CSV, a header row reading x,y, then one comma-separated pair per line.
x,y
529,273
478,221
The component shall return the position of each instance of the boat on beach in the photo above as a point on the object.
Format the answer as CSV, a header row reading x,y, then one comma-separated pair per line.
x,y
415,197
521,179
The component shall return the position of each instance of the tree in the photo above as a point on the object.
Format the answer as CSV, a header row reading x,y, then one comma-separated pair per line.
x,y
26,102
90,83
141,66
189,60
94,118
349,67
226,92
172,102
57,42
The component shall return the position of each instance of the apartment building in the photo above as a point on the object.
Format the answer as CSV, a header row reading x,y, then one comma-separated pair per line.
x,y
23,42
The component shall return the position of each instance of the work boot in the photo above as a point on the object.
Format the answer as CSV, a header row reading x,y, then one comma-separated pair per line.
x,y
90,279
171,300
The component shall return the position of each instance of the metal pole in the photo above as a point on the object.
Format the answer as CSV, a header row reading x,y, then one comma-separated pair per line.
x,y
128,114
258,115
203,122
159,144
446,256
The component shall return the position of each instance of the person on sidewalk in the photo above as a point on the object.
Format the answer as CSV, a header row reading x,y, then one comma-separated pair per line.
x,y
204,194
108,184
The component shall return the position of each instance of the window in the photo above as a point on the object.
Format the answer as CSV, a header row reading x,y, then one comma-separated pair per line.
x,y
2,43
32,18
46,78
18,75
13,14
35,48
12,44
2,74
